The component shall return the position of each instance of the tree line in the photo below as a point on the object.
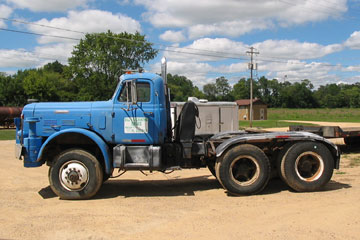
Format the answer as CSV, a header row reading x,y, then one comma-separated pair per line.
x,y
98,60
274,93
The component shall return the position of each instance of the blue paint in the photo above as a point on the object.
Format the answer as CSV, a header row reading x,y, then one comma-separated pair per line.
x,y
102,121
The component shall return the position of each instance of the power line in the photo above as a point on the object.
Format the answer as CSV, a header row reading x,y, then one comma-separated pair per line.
x,y
119,38
267,59
40,25
38,34
280,60
180,50
225,55
37,54
160,49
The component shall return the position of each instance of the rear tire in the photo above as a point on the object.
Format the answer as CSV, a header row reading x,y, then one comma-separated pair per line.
x,y
307,166
280,158
75,174
243,170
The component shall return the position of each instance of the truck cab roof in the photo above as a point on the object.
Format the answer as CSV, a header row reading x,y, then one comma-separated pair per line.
x,y
152,76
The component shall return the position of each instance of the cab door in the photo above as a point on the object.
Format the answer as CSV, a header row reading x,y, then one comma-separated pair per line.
x,y
133,123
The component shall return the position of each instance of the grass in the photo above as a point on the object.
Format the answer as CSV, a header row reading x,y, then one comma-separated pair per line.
x,y
7,134
354,161
276,116
315,114
269,124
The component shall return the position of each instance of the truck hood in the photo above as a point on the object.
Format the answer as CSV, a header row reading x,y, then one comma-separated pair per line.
x,y
61,107
55,116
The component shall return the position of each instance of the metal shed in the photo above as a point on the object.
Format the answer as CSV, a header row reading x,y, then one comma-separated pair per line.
x,y
214,116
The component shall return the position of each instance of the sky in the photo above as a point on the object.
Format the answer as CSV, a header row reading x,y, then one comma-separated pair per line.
x,y
317,40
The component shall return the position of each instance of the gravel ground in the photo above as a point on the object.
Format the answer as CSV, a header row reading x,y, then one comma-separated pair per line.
x,y
187,204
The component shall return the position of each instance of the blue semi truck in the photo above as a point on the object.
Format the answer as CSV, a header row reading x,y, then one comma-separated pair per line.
x,y
83,143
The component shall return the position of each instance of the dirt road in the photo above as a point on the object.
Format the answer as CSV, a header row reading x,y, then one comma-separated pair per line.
x,y
187,204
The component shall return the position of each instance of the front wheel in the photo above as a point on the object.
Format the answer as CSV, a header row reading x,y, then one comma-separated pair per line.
x,y
75,174
243,170
307,166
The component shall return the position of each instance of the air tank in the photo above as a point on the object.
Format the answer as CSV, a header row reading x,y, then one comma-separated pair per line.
x,y
7,114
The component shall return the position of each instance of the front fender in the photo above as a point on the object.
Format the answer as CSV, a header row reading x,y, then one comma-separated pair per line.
x,y
93,136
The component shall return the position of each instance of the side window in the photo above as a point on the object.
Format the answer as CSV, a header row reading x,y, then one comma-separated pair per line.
x,y
143,92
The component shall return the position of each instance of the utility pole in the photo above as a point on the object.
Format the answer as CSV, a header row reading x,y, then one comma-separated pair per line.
x,y
251,67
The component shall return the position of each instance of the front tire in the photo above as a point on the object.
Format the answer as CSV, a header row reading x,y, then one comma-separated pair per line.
x,y
243,170
75,174
307,166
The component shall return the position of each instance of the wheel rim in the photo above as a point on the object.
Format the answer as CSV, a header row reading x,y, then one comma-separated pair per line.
x,y
74,175
309,166
244,170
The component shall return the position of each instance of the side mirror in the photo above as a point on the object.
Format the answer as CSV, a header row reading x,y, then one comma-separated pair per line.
x,y
133,92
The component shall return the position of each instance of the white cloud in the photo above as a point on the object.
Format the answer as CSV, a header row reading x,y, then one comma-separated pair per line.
x,y
232,68
233,17
51,49
352,68
353,41
19,58
217,49
277,58
294,70
5,12
207,49
60,52
351,80
173,36
228,28
196,72
48,5
88,21
22,58
291,49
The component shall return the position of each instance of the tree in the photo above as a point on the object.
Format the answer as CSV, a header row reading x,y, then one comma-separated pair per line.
x,y
98,61
352,96
298,95
210,91
330,95
218,91
46,86
11,91
223,89
181,88
241,90
55,67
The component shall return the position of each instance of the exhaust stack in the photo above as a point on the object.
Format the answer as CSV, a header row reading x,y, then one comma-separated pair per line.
x,y
164,70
